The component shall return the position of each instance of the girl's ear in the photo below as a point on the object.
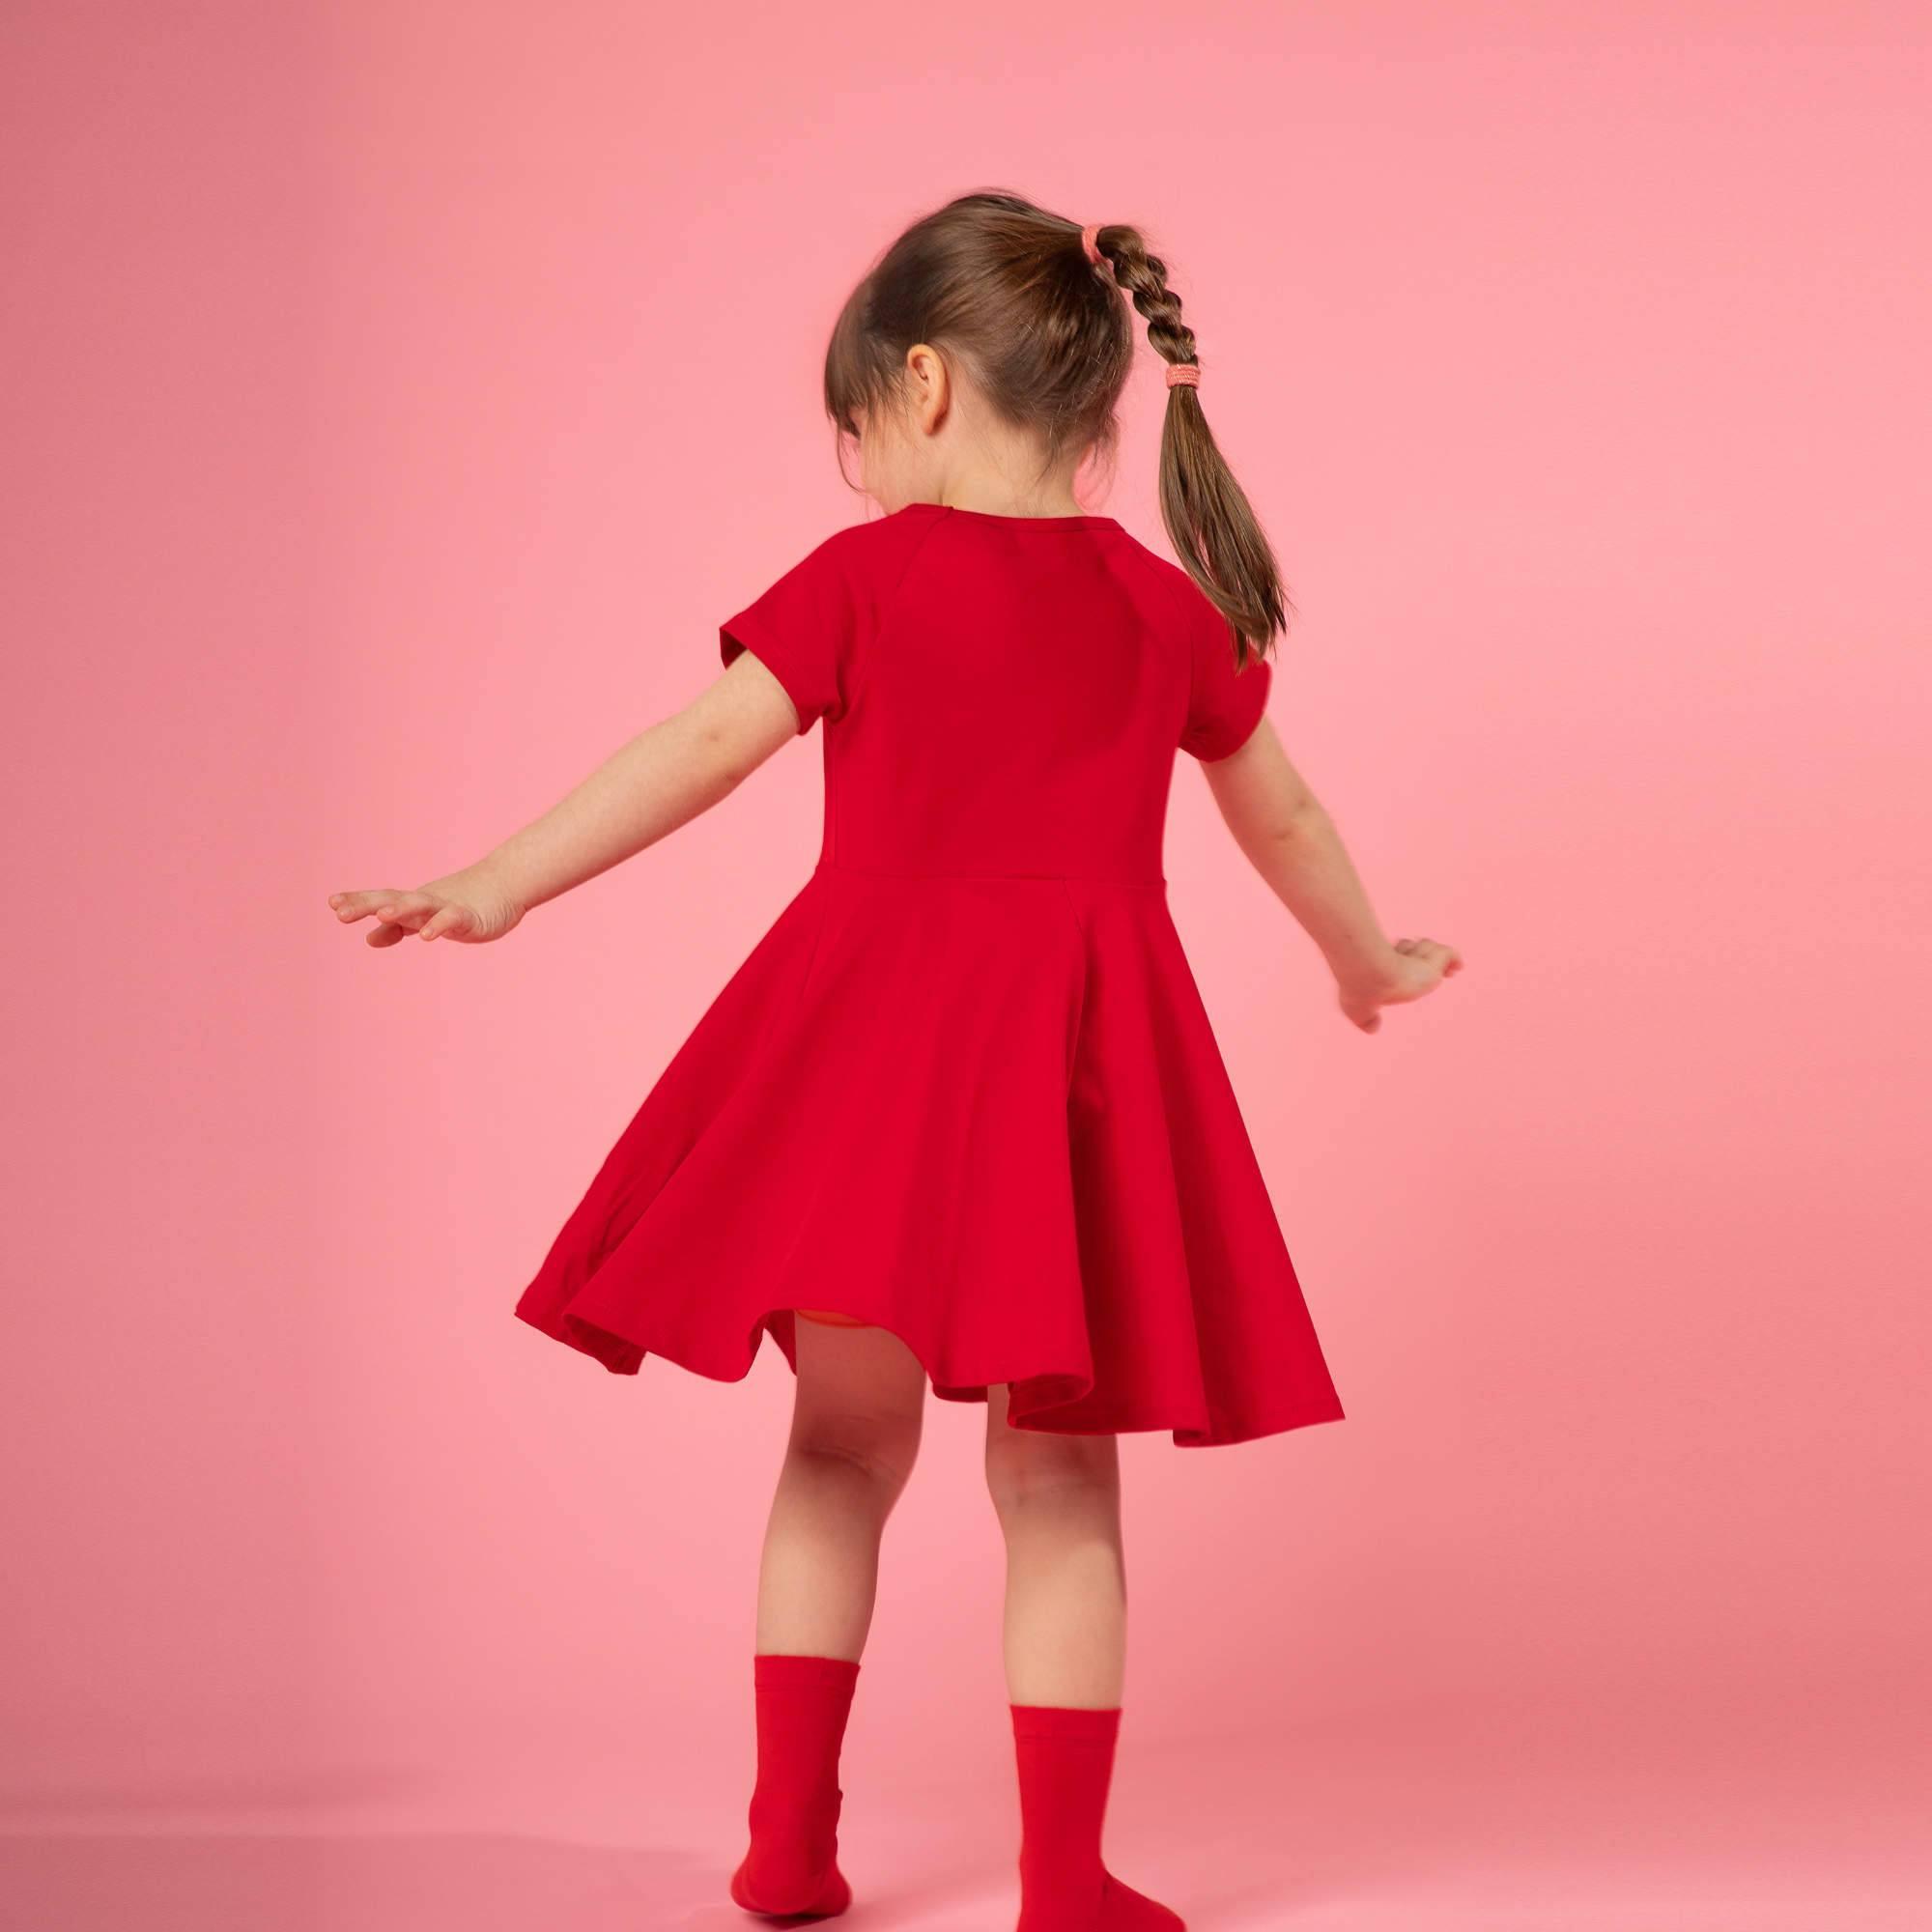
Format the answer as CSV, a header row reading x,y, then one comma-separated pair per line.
x,y
929,386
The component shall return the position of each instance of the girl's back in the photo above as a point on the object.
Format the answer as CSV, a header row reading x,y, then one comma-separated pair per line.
x,y
1001,696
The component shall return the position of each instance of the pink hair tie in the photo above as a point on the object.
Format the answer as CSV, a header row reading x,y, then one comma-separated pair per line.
x,y
1090,240
1184,373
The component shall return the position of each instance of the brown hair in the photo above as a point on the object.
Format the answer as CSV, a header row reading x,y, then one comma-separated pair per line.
x,y
1006,288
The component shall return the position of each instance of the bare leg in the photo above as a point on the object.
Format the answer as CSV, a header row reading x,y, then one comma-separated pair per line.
x,y
1057,1498
856,1418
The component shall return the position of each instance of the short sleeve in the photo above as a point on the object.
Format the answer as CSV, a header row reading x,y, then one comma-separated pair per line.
x,y
1224,705
802,629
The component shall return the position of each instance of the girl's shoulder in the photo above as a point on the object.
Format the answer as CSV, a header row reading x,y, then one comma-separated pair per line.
x,y
1192,607
879,537
854,563
810,624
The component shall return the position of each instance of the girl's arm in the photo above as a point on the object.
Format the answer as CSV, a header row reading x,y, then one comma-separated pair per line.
x,y
1293,843
665,777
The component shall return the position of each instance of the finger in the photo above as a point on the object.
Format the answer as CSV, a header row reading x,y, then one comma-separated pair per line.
x,y
454,918
407,905
349,906
387,935
411,914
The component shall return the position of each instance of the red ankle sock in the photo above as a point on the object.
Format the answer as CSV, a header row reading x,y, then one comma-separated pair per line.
x,y
793,1865
1065,1764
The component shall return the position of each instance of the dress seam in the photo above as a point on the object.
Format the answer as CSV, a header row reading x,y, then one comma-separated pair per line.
x,y
1080,1002
1156,885
1176,603
887,611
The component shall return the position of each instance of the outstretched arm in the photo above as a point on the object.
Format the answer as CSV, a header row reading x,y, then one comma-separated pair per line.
x,y
665,777
1293,843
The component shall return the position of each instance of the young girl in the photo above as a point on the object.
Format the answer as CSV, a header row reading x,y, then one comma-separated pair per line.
x,y
958,1120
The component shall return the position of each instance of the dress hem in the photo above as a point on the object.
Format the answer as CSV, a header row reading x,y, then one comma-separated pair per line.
x,y
625,1356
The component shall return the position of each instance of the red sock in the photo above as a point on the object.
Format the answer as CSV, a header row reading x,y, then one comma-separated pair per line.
x,y
1066,1763
792,1867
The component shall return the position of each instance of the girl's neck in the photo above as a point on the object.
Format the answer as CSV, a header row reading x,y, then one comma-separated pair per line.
x,y
993,498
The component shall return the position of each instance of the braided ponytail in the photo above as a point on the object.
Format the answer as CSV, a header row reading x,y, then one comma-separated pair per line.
x,y
1213,529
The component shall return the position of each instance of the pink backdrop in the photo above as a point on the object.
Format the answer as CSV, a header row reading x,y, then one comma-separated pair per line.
x,y
399,394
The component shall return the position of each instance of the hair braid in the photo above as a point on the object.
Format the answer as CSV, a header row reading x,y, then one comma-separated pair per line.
x,y
1209,521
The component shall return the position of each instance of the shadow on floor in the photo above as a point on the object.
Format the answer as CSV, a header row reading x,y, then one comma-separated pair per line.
x,y
236,1883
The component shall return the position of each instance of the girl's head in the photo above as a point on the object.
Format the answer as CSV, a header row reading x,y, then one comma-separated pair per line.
x,y
988,315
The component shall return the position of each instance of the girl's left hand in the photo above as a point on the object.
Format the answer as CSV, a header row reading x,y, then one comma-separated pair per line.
x,y
1415,967
464,905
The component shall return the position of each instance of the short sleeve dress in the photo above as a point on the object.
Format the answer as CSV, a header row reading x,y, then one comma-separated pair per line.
x,y
964,1086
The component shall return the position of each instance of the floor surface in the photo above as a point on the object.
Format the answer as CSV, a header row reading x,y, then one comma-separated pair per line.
x,y
1376,1837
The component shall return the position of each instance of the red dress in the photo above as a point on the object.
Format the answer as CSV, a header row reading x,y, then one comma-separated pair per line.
x,y
964,1086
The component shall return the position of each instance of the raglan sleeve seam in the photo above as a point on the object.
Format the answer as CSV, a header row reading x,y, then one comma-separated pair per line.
x,y
1215,737
888,609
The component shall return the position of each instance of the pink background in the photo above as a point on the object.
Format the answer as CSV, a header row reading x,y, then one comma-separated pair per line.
x,y
399,394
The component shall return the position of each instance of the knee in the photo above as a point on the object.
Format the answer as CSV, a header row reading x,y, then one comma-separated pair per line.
x,y
1025,1468
880,1447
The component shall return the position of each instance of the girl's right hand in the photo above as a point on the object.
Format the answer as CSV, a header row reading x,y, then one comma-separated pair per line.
x,y
1415,967
464,906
